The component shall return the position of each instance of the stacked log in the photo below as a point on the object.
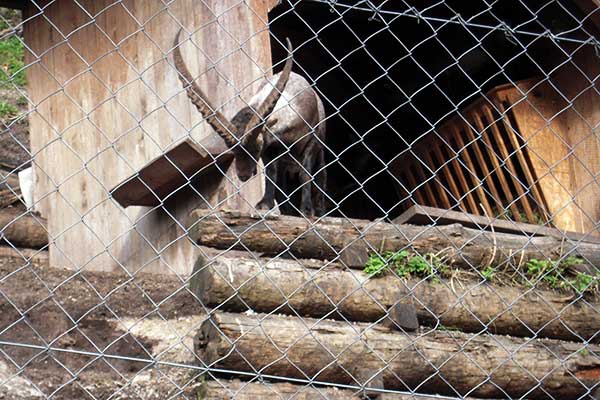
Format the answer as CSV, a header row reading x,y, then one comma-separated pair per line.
x,y
240,390
448,363
351,241
309,288
10,190
505,341
20,228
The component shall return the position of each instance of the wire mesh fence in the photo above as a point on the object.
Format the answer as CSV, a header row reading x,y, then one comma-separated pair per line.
x,y
299,199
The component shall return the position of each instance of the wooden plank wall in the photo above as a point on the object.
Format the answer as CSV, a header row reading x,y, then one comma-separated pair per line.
x,y
108,101
559,119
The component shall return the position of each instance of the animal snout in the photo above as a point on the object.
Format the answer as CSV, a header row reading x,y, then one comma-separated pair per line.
x,y
244,177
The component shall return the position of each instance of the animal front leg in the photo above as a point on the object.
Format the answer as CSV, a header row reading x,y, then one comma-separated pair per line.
x,y
320,183
306,204
268,200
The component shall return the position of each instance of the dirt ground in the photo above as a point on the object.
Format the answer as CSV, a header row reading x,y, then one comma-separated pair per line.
x,y
144,318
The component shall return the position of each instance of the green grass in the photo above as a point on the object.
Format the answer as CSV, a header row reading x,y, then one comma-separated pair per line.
x,y
12,62
557,274
405,264
7,110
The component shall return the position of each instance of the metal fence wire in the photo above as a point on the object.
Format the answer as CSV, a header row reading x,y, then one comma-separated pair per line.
x,y
318,199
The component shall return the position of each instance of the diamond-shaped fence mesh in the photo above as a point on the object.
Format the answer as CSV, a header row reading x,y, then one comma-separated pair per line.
x,y
318,199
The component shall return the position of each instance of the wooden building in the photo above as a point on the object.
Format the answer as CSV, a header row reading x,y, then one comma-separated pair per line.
x,y
108,101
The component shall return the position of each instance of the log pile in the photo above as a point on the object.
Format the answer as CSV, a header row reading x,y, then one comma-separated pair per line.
x,y
19,228
316,317
308,288
351,241
10,190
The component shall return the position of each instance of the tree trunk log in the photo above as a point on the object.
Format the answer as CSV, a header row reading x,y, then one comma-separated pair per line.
x,y
308,288
22,229
439,362
351,241
240,390
9,188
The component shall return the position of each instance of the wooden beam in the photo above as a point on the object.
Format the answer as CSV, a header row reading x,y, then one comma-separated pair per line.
x,y
353,241
317,289
166,174
439,362
275,390
423,215
22,229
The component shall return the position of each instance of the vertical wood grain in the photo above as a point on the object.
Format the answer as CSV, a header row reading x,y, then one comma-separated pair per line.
x,y
109,100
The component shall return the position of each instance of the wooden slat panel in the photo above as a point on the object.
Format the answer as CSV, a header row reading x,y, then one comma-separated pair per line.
x,y
442,188
478,184
466,189
523,156
475,118
483,165
500,141
449,177
426,183
416,192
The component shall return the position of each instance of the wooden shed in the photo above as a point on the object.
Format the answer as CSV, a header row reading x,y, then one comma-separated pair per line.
x,y
108,102
526,151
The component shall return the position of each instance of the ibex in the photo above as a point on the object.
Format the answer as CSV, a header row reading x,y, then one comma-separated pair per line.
x,y
283,124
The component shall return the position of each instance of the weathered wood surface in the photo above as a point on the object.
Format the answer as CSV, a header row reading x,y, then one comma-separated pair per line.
x,y
240,390
108,100
313,289
351,241
423,215
344,353
10,190
166,174
22,229
556,118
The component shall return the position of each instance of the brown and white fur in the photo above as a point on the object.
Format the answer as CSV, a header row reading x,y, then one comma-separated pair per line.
x,y
283,124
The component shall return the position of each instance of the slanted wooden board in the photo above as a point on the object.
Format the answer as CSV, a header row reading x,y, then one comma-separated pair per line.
x,y
423,215
167,173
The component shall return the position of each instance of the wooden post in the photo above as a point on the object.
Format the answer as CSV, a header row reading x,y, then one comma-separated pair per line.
x,y
108,100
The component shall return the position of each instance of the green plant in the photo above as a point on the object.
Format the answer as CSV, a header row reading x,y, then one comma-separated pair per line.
x,y
7,110
11,62
488,273
554,273
377,264
582,282
22,101
405,264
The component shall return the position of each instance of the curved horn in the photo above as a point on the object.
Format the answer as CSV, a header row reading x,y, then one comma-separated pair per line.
x,y
217,120
267,106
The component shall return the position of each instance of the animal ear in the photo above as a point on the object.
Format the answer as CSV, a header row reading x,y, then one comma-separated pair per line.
x,y
214,117
262,112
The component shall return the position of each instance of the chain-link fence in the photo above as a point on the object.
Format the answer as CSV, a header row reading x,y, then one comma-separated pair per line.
x,y
261,199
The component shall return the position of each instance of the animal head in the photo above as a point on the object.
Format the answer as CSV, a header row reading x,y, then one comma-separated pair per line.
x,y
244,133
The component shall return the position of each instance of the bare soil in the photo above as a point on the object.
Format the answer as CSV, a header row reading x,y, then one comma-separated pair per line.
x,y
138,318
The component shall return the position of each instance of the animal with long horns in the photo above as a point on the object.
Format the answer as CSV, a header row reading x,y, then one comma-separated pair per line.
x,y
283,124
